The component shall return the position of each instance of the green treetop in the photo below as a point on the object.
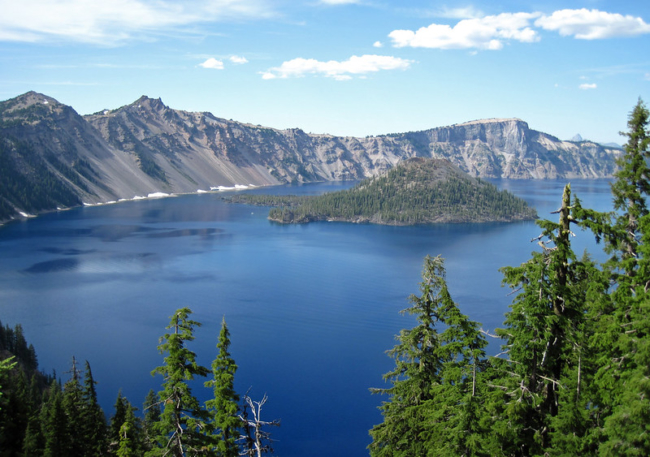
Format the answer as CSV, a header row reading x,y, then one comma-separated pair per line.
x,y
182,419
224,407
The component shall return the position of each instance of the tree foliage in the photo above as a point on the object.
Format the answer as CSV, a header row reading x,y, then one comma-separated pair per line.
x,y
224,405
434,381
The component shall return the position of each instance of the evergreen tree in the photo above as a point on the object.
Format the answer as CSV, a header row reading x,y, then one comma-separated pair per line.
x,y
432,403
538,397
55,425
631,189
151,408
73,405
92,416
7,406
130,440
223,407
6,366
628,365
120,407
34,441
182,420
620,315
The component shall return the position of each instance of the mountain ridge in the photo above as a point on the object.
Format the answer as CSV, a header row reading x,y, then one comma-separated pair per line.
x,y
147,147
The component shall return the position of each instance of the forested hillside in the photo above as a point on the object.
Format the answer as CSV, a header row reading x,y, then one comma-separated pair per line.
x,y
417,191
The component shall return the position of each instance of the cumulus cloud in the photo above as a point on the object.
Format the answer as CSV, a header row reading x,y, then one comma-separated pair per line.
x,y
212,63
587,24
115,21
488,32
588,86
238,59
355,65
378,44
491,32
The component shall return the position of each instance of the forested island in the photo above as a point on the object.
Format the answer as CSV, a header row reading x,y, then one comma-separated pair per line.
x,y
417,191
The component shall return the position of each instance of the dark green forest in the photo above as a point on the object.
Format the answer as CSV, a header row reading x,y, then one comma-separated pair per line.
x,y
572,376
417,191
41,416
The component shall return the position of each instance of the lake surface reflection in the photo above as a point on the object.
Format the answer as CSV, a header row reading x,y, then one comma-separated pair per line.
x,y
311,308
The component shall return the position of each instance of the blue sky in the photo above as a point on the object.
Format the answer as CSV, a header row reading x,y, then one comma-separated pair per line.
x,y
345,67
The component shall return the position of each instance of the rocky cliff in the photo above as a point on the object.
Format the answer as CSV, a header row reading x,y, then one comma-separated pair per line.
x,y
50,156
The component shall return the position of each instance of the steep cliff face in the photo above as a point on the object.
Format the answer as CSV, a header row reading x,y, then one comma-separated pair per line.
x,y
170,144
182,151
508,148
168,141
50,156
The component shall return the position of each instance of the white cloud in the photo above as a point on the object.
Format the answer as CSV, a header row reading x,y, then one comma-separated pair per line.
x,y
468,12
238,59
355,65
340,2
212,63
488,32
378,44
647,76
587,24
115,21
588,86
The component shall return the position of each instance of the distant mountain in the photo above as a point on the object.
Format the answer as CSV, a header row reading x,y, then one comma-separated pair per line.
x,y
577,138
415,191
51,157
611,145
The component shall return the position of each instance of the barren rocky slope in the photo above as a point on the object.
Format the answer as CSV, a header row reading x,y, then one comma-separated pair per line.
x,y
50,156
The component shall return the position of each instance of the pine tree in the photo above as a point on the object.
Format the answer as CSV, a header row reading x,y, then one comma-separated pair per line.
x,y
223,407
631,189
432,398
182,420
117,420
73,405
55,425
8,407
538,392
151,409
130,439
93,419
628,367
6,366
620,316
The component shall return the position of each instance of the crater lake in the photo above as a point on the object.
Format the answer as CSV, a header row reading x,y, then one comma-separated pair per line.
x,y
311,308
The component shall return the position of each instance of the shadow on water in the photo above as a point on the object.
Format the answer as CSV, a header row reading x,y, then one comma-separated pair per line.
x,y
52,266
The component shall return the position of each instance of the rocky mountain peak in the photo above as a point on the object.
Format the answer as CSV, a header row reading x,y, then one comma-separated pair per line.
x,y
152,104
28,100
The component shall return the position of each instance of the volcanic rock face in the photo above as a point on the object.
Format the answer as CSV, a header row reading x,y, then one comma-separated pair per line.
x,y
146,147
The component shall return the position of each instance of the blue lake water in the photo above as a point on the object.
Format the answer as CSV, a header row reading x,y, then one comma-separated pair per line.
x,y
311,308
